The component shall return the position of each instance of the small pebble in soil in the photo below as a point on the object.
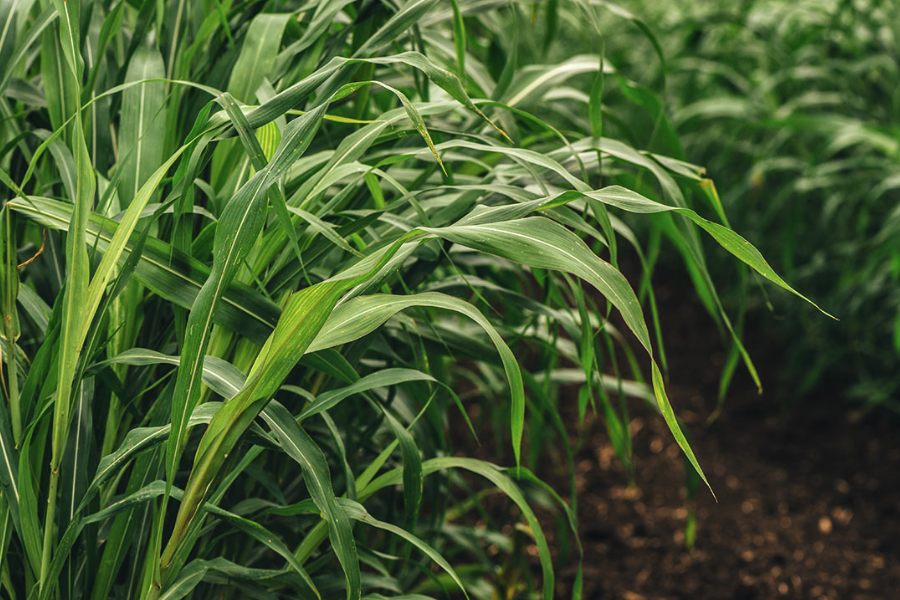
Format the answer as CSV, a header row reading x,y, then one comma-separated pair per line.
x,y
842,515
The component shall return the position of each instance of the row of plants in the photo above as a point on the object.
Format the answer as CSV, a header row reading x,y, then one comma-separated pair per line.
x,y
794,109
257,260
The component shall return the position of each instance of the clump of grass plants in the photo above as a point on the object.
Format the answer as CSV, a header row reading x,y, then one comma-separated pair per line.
x,y
257,256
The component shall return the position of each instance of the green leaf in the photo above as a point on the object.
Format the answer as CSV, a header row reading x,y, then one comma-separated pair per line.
x,y
742,249
257,57
412,470
299,446
459,39
141,130
382,378
221,376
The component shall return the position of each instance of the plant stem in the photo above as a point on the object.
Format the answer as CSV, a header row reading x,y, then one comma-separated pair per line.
x,y
49,529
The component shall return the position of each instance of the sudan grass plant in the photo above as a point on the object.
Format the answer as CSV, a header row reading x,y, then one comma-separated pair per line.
x,y
257,257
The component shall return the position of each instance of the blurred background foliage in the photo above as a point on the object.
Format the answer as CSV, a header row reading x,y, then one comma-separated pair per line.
x,y
794,110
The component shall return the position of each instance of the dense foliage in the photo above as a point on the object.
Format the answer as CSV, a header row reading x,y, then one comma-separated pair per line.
x,y
257,258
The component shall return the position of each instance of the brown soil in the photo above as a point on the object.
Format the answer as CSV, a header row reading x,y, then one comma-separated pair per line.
x,y
808,501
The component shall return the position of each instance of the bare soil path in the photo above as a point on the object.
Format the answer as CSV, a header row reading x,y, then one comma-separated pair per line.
x,y
808,501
